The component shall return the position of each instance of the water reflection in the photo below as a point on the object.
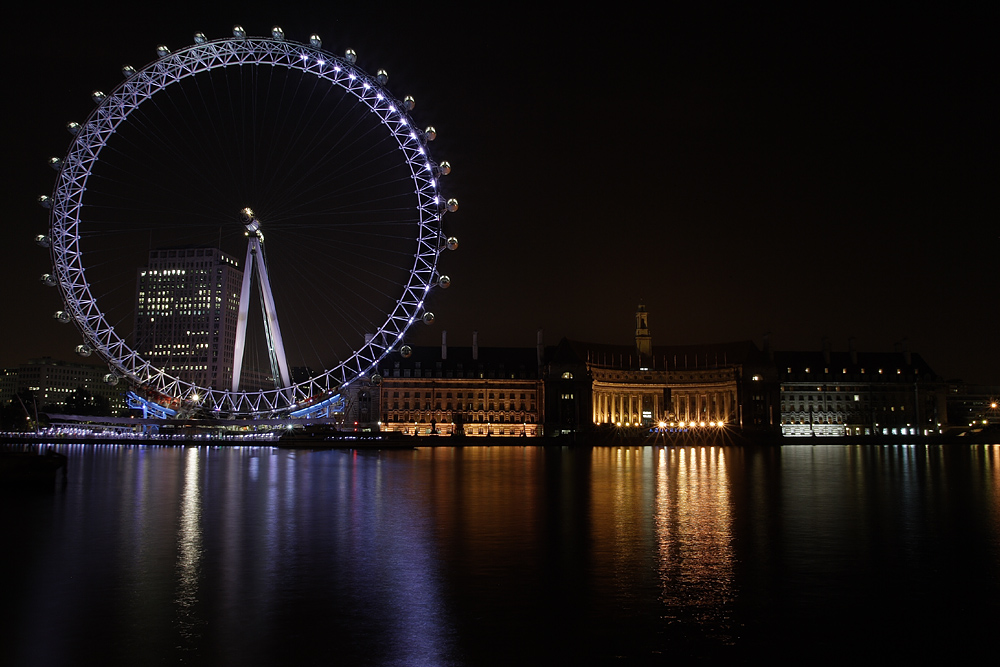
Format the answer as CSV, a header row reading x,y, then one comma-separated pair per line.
x,y
694,526
670,507
189,552
505,555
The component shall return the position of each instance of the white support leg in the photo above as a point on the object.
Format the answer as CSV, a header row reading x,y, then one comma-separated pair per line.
x,y
241,322
271,316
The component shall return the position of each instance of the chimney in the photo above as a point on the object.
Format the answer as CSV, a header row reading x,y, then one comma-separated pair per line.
x,y
826,351
853,349
444,345
540,347
475,345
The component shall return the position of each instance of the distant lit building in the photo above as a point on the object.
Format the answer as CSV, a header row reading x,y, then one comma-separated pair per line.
x,y
463,391
973,406
691,386
52,383
8,384
828,393
187,304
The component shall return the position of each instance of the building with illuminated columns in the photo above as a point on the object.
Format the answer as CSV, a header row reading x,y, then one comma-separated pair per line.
x,y
642,385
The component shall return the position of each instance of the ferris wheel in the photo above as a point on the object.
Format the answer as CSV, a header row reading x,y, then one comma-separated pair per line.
x,y
202,152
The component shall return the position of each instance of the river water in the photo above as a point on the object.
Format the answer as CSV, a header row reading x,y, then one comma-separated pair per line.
x,y
504,555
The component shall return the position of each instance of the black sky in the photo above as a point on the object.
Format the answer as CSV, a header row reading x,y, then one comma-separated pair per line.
x,y
828,171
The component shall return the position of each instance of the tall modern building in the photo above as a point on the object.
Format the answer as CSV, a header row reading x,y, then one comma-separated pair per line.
x,y
187,304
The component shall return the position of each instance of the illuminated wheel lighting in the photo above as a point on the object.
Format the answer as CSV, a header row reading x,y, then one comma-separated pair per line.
x,y
83,303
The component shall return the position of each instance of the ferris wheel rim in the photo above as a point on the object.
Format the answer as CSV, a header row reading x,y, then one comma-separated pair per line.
x,y
140,85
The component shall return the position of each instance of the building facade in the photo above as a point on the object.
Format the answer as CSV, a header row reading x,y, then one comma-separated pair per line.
x,y
642,385
187,304
54,386
854,393
471,391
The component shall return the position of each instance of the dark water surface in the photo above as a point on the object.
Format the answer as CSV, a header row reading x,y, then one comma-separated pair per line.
x,y
505,555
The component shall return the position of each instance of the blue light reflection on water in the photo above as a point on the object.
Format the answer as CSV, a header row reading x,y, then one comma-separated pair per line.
x,y
487,555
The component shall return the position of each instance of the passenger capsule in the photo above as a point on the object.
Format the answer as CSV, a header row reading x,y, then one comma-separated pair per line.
x,y
315,41
406,351
430,134
128,71
452,205
62,316
444,282
444,168
48,280
350,56
162,51
428,318
83,350
452,243
239,32
382,76
409,103
376,379
199,38
55,163
45,201
97,96
111,379
43,241
278,34
72,128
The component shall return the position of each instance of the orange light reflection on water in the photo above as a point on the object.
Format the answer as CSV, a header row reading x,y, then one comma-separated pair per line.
x,y
674,504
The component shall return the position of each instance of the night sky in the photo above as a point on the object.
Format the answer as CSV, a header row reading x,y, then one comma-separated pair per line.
x,y
820,172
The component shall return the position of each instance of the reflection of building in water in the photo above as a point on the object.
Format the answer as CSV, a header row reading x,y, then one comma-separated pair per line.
x,y
850,393
643,384
672,506
694,527
187,303
460,390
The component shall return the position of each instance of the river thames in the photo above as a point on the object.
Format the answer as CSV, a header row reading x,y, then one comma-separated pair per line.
x,y
505,555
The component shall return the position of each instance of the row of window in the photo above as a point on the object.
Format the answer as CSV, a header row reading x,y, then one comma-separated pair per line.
x,y
899,371
429,394
398,418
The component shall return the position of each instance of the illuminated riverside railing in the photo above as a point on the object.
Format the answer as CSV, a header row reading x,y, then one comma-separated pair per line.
x,y
118,434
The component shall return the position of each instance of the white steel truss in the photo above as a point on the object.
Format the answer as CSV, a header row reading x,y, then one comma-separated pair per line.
x,y
114,109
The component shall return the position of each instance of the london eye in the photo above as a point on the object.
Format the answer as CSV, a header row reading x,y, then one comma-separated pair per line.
x,y
169,188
